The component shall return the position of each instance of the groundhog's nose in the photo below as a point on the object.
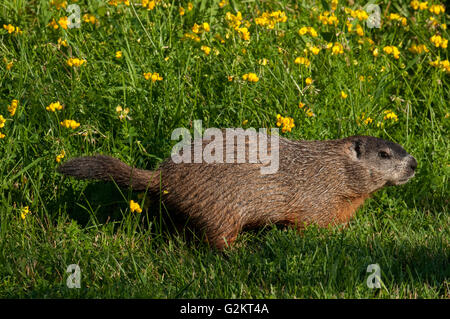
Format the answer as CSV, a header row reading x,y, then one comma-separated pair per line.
x,y
413,163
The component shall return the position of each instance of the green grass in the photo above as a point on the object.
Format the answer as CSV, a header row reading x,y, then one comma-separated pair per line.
x,y
122,254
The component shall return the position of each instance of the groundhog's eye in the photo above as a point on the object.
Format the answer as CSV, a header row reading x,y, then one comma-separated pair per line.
x,y
384,155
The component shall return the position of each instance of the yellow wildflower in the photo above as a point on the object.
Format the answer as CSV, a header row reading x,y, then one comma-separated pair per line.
x,y
70,124
328,18
181,11
375,52
62,42
389,115
206,49
223,3
150,5
12,108
24,212
2,121
418,49
9,64
10,28
414,4
63,22
308,81
60,156
58,4
437,9
392,50
118,54
75,62
302,60
263,61
89,18
244,34
438,41
153,76
343,95
54,106
250,77
423,5
286,122
134,207
270,19
337,48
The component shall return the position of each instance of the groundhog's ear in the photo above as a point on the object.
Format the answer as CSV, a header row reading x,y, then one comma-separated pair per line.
x,y
356,149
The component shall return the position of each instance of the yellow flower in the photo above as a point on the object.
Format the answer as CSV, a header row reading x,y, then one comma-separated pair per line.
x,y
328,19
315,50
438,41
206,27
134,207
337,48
181,11
437,9
343,95
389,115
63,22
24,212
301,105
308,81
58,4
244,122
375,52
302,60
190,6
392,50
206,49
54,106
243,33
153,76
150,5
286,122
250,77
223,3
118,54
263,61
414,4
89,18
70,124
75,62
2,121
270,19
418,49
423,5
62,42
12,108
10,28
368,120
359,30
9,64
2,135
60,156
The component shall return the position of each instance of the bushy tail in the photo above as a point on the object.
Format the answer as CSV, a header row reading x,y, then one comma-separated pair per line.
x,y
106,168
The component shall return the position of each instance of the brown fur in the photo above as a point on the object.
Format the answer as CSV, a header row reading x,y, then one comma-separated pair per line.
x,y
322,182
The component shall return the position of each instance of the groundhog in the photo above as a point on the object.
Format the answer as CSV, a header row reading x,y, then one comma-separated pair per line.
x,y
321,182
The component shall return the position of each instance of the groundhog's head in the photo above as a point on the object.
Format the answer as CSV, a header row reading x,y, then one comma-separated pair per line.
x,y
385,162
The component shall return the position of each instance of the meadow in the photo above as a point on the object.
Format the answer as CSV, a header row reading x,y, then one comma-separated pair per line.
x,y
133,71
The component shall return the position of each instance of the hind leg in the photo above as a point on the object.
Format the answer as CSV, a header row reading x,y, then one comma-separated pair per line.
x,y
223,236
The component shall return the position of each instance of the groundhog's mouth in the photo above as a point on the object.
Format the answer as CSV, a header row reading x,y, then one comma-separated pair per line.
x,y
401,181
